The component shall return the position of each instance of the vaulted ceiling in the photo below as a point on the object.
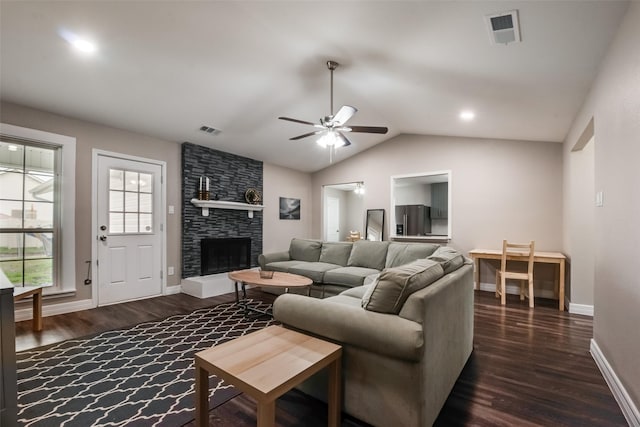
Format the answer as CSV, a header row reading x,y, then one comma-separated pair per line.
x,y
166,68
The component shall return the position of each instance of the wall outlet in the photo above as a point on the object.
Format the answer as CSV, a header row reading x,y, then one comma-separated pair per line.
x,y
171,271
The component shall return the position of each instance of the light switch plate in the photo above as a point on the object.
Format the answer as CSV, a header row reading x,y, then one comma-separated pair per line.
x,y
172,210
599,199
171,271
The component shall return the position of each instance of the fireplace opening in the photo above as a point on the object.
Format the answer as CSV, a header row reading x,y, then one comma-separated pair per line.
x,y
223,255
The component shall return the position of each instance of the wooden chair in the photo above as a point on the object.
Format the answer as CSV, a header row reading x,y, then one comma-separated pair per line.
x,y
523,252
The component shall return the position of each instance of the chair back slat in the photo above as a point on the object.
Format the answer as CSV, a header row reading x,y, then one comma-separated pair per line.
x,y
518,250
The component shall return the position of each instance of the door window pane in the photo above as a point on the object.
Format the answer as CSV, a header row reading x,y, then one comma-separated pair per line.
x,y
116,222
131,181
130,202
146,182
146,223
116,179
116,202
130,223
146,203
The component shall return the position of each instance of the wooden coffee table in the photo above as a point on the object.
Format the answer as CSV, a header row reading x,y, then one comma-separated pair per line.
x,y
265,365
279,280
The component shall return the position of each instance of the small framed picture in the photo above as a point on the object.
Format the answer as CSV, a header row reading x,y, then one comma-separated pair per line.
x,y
289,208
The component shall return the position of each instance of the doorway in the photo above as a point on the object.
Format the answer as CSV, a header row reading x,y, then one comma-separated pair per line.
x,y
343,210
128,223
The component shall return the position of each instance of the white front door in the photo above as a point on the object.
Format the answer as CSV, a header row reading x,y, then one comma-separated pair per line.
x,y
129,229
333,219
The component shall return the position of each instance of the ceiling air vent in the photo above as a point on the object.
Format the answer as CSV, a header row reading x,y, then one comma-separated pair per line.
x,y
210,130
504,27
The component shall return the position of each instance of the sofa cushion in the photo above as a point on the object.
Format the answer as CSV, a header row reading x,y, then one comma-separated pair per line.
x,y
348,276
357,292
336,252
313,270
449,258
305,250
283,266
403,253
393,287
368,254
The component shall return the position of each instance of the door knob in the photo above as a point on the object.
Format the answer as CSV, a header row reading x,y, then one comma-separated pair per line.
x,y
103,238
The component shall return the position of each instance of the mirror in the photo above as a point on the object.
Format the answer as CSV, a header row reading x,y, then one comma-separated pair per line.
x,y
343,206
421,206
375,225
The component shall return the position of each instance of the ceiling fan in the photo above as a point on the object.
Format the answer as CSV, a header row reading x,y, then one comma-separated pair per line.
x,y
332,127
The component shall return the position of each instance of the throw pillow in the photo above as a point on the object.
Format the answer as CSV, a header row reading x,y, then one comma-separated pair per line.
x,y
368,254
305,250
394,285
335,253
449,258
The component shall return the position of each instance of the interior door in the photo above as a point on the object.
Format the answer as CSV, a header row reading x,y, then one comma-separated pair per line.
x,y
129,230
333,220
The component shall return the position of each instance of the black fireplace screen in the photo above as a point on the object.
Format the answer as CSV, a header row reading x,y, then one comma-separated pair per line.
x,y
223,255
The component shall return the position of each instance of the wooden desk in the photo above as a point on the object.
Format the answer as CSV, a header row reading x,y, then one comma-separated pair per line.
x,y
541,257
24,292
265,365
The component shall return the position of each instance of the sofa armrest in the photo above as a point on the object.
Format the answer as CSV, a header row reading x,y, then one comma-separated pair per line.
x,y
385,334
264,259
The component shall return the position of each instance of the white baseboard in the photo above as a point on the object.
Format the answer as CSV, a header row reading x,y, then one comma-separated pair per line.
x,y
514,289
628,407
586,310
55,309
170,290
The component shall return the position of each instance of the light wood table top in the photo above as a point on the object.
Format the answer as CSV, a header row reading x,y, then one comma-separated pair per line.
x,y
266,364
279,279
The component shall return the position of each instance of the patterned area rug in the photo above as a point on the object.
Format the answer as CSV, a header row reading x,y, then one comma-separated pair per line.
x,y
143,376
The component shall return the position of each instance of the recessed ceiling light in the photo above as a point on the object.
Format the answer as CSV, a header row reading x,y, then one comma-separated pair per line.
x,y
84,45
12,148
467,115
79,43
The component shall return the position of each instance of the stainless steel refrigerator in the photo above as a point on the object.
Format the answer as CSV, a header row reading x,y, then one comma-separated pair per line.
x,y
413,220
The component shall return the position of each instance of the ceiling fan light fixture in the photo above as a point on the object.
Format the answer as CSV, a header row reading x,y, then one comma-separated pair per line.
x,y
330,139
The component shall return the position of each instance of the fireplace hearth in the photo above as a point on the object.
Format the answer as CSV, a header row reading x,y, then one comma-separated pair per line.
x,y
221,255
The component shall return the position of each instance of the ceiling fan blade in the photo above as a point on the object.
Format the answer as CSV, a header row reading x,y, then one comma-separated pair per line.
x,y
297,121
344,139
369,129
344,113
295,138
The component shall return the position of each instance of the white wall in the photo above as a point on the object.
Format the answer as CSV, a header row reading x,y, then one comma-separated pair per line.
x,y
614,105
500,189
282,182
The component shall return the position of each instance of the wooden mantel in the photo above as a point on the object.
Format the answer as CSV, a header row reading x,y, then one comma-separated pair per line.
x,y
222,204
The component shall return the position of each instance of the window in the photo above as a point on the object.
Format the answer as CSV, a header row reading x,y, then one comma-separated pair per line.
x,y
28,219
34,209
130,202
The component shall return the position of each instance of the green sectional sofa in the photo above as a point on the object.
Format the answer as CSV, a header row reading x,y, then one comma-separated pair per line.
x,y
406,336
337,266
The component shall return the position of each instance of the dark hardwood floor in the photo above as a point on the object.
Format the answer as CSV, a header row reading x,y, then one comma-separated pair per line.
x,y
529,367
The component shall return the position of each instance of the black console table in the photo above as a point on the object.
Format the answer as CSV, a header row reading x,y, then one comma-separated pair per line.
x,y
8,376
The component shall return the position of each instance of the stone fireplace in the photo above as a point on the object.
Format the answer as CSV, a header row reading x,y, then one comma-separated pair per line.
x,y
230,177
